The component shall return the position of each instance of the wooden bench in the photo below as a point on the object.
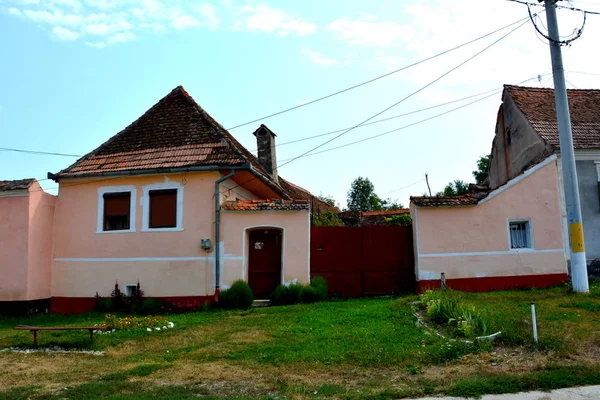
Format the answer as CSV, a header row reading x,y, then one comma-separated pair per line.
x,y
35,330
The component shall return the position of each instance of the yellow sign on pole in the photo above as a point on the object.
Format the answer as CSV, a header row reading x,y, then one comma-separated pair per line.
x,y
576,233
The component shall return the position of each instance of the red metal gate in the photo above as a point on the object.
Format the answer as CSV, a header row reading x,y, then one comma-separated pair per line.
x,y
359,261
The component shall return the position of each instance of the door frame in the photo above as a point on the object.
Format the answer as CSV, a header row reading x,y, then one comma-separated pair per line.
x,y
246,250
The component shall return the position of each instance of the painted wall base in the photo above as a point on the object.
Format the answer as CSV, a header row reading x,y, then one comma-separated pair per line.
x,y
24,307
78,305
490,283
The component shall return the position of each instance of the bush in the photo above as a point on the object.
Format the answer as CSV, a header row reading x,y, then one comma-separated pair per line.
x,y
279,296
150,307
103,305
309,295
320,285
444,308
238,296
294,293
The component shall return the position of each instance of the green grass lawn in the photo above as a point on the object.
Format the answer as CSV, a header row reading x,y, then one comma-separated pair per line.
x,y
356,349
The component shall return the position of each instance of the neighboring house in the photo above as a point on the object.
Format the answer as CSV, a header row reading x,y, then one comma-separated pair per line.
x,y
367,218
527,132
504,238
26,213
173,201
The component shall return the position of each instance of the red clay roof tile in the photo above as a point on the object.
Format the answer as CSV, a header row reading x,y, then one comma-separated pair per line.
x,y
266,205
20,184
538,106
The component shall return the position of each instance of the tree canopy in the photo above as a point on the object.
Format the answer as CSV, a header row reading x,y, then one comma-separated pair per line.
x,y
362,197
483,168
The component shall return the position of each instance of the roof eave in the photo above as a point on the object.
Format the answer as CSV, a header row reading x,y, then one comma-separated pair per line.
x,y
198,168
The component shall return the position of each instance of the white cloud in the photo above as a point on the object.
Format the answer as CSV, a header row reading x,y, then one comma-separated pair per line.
x,y
96,45
61,33
208,12
121,37
184,21
56,17
318,58
369,31
265,19
103,29
15,11
27,2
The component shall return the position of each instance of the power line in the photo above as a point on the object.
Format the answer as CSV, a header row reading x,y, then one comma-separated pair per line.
x,y
405,114
407,186
395,104
405,126
571,8
377,78
407,97
44,153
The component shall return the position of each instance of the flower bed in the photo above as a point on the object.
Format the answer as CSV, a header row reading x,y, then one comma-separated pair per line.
x,y
149,323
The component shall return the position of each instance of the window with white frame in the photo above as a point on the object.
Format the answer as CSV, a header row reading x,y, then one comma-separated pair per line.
x,y
116,209
163,208
520,235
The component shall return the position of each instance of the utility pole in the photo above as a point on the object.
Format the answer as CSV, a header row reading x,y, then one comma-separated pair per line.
x,y
427,180
579,275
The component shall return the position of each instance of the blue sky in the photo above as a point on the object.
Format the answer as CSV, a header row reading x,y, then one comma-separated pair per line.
x,y
75,72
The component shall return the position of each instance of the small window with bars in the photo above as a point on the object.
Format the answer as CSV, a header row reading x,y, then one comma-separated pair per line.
x,y
163,209
520,235
116,211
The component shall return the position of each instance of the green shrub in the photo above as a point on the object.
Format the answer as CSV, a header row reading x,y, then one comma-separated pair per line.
x,y
279,296
103,305
444,308
294,293
320,285
239,296
309,295
150,307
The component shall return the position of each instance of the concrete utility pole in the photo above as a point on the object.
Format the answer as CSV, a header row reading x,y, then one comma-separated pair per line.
x,y
579,275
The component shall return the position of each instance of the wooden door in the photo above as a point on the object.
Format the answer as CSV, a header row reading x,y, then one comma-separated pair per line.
x,y
264,261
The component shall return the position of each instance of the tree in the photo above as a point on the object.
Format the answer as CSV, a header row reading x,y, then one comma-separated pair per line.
x,y
362,197
327,199
483,168
327,218
401,219
455,188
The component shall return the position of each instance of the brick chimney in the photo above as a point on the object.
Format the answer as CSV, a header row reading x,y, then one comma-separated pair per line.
x,y
265,141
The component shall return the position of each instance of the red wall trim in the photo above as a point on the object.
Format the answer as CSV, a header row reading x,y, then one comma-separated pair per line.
x,y
489,283
78,305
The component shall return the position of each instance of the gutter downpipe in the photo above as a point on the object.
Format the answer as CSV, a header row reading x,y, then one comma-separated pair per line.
x,y
218,233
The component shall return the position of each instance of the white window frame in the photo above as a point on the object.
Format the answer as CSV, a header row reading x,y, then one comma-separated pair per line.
x,y
129,285
529,235
116,189
146,206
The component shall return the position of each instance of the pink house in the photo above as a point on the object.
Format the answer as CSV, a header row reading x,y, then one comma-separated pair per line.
x,y
509,237
26,213
173,202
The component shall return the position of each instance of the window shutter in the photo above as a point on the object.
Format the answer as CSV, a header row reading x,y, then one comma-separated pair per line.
x,y
116,211
163,208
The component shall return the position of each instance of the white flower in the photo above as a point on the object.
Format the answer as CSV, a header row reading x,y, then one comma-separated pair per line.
x,y
149,329
158,329
164,327
171,324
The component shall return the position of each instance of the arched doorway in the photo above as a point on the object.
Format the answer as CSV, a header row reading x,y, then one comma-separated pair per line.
x,y
264,261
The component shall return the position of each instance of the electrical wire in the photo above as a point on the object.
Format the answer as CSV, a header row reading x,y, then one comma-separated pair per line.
x,y
393,105
407,186
377,78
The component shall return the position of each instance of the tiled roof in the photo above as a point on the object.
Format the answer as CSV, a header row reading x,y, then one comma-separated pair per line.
x,y
298,193
176,132
538,106
448,201
21,184
266,205
385,212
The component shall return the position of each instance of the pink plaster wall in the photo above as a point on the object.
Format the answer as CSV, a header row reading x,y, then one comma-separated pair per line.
x,y
295,249
41,221
14,230
484,229
165,263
